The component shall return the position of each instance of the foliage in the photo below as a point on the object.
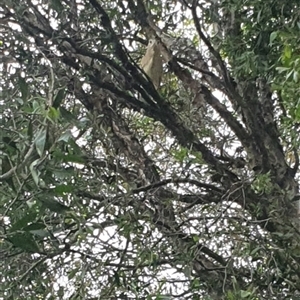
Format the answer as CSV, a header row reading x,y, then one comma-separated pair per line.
x,y
113,189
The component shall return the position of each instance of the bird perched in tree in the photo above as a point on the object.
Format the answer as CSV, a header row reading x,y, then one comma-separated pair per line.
x,y
151,63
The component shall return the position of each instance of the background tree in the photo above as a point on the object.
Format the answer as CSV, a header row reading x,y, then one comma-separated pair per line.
x,y
113,189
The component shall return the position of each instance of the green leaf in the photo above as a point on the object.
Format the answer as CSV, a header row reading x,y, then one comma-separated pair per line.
x,y
273,36
37,229
37,107
34,172
245,294
40,232
59,98
30,130
282,69
24,241
258,15
287,52
230,295
187,271
163,297
73,273
40,141
57,6
66,115
53,114
180,154
195,238
23,88
297,113
117,279
24,221
195,284
296,76
74,158
255,250
61,189
34,226
65,173
65,136
53,205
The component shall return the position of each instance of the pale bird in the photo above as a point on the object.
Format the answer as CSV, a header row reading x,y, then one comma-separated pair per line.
x,y
151,63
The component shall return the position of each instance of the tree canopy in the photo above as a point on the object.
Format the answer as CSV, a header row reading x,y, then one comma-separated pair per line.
x,y
113,187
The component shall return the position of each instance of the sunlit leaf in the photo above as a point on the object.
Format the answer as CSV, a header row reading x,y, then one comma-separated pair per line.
x,y
53,114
